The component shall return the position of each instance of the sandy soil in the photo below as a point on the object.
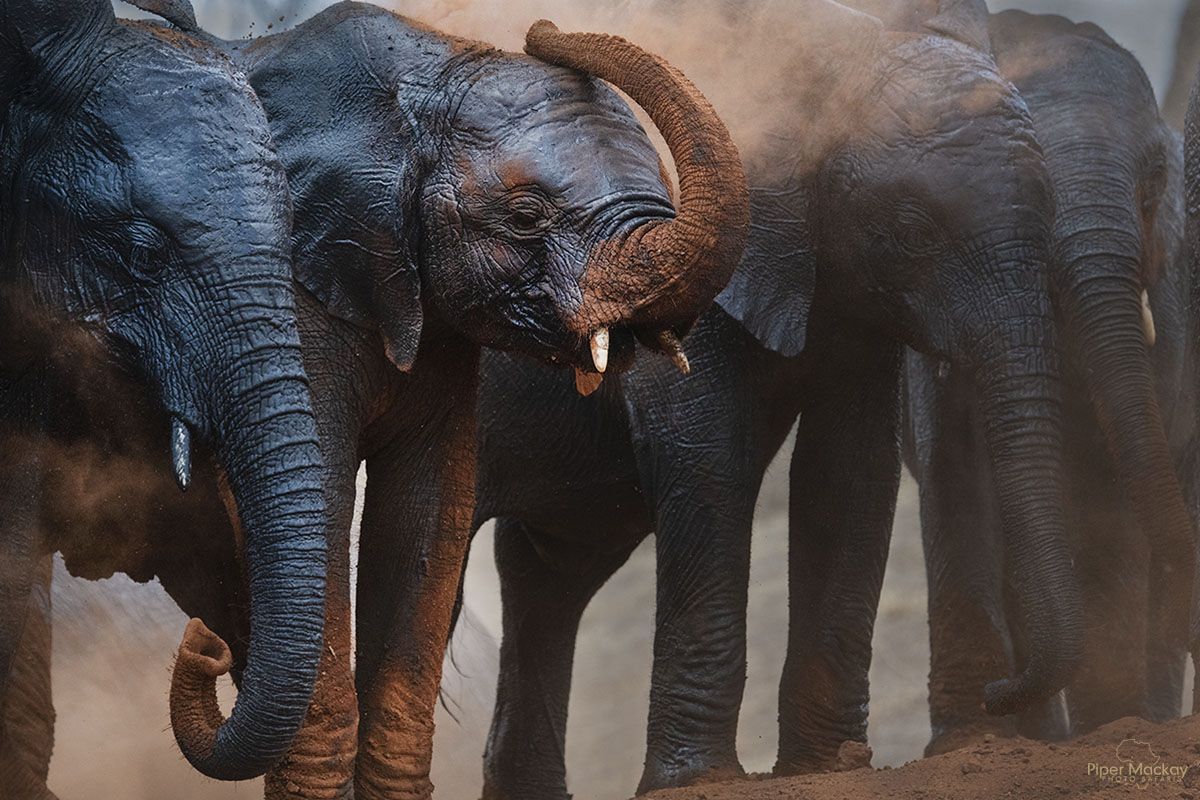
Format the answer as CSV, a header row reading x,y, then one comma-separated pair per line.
x,y
1129,758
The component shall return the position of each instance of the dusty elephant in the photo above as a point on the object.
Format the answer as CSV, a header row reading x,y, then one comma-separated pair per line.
x,y
1116,254
895,237
144,231
449,195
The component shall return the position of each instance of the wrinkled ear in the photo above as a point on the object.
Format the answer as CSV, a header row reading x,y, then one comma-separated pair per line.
x,y
28,25
177,12
771,291
359,262
350,154
355,227
32,31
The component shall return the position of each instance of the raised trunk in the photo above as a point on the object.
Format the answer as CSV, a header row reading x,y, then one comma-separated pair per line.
x,y
663,273
265,438
1019,396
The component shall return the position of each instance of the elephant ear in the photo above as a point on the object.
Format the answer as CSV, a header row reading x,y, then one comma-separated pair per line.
x,y
34,33
28,28
353,246
177,12
350,158
771,291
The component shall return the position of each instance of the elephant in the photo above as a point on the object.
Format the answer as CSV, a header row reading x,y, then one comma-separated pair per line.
x,y
1117,269
145,272
449,196
911,227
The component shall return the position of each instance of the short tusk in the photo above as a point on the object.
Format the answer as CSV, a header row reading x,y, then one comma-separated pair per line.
x,y
587,382
674,349
181,452
600,350
1148,320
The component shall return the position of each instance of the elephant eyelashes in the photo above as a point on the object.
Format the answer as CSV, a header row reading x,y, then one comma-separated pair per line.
x,y
526,214
144,250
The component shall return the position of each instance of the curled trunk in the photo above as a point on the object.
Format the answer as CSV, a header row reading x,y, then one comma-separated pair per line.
x,y
265,438
1019,393
671,268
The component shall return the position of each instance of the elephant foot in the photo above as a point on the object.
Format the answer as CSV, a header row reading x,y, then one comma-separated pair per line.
x,y
971,735
491,791
694,771
283,788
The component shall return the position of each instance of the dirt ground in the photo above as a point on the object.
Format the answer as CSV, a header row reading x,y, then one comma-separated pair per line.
x,y
1129,758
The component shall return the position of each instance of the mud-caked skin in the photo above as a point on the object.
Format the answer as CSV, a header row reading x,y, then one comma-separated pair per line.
x,y
446,195
1128,393
925,223
145,289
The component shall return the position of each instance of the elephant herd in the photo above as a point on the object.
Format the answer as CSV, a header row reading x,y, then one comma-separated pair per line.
x,y
232,272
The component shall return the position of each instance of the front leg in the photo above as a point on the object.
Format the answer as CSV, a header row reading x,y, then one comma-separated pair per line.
x,y
844,478
415,531
703,443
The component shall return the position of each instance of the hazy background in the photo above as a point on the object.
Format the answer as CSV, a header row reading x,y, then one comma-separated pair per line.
x,y
115,639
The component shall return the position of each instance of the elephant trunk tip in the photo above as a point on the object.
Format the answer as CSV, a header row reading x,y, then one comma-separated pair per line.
x,y
195,715
1037,683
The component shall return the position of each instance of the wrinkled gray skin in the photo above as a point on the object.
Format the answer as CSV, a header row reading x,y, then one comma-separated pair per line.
x,y
146,285
914,229
1117,171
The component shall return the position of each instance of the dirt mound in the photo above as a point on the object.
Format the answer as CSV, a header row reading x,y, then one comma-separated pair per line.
x,y
1129,758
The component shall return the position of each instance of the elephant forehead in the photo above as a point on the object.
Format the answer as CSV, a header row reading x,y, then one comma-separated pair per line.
x,y
580,160
560,129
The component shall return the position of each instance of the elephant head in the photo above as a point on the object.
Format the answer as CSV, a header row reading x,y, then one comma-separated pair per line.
x,y
144,202
1112,156
921,205
518,200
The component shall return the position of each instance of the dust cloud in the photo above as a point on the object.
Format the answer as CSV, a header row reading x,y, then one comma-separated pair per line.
x,y
114,639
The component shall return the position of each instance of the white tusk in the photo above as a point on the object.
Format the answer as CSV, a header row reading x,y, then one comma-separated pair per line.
x,y
181,452
587,382
674,349
1148,320
600,349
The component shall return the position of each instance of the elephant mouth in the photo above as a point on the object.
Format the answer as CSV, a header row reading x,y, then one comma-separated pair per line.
x,y
612,350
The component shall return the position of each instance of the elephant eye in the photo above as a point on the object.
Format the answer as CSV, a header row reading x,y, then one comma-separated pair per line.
x,y
145,249
916,233
528,215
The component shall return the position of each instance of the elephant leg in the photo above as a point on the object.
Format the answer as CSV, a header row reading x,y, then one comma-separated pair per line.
x,y
969,641
702,471
545,585
415,530
320,763
26,709
845,474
